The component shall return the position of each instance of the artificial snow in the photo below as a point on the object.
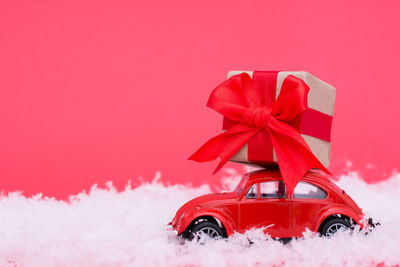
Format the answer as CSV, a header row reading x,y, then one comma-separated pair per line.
x,y
109,228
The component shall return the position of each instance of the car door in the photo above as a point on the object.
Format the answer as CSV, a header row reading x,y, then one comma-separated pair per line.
x,y
306,202
265,205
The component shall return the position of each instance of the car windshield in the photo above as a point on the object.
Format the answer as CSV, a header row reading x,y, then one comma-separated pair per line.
x,y
242,184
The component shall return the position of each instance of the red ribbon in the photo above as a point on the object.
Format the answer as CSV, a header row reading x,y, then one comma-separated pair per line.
x,y
251,105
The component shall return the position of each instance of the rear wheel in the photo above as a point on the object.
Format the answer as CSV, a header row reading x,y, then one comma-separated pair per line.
x,y
334,226
207,229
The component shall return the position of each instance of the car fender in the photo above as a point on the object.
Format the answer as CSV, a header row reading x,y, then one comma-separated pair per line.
x,y
218,214
333,210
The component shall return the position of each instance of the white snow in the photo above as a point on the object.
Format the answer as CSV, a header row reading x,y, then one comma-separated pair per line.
x,y
110,228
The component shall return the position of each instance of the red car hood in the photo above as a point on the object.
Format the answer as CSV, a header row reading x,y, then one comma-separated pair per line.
x,y
209,199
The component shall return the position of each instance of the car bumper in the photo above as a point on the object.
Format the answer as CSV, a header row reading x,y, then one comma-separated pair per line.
x,y
170,229
372,224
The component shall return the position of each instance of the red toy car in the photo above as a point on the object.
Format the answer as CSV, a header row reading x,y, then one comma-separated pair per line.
x,y
261,200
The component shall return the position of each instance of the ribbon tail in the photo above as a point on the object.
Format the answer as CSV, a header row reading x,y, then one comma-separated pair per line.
x,y
294,156
225,145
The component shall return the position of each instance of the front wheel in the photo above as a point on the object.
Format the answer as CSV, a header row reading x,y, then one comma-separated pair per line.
x,y
207,229
334,226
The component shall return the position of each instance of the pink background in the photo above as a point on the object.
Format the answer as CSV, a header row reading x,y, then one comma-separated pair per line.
x,y
92,91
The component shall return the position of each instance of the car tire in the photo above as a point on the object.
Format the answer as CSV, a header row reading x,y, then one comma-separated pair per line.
x,y
335,225
207,228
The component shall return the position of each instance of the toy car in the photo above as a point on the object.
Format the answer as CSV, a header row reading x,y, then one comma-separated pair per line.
x,y
261,201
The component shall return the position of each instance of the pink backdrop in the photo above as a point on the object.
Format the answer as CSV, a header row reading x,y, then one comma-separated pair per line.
x,y
92,91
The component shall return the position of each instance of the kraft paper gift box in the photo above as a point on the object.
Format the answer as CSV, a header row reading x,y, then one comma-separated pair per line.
x,y
316,120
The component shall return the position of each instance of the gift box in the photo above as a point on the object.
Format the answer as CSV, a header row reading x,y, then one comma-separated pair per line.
x,y
316,121
272,117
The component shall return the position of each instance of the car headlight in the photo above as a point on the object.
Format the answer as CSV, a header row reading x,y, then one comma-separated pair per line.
x,y
179,221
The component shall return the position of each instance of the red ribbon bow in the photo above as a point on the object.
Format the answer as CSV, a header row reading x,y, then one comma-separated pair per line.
x,y
256,114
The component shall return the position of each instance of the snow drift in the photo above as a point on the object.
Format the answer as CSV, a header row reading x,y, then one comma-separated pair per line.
x,y
109,228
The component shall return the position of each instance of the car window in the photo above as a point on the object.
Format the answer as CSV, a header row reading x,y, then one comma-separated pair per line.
x,y
309,191
273,189
242,183
252,193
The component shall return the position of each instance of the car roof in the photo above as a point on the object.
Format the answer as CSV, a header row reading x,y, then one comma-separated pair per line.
x,y
273,173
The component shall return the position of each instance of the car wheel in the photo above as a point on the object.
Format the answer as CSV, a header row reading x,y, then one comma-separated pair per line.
x,y
206,229
334,226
